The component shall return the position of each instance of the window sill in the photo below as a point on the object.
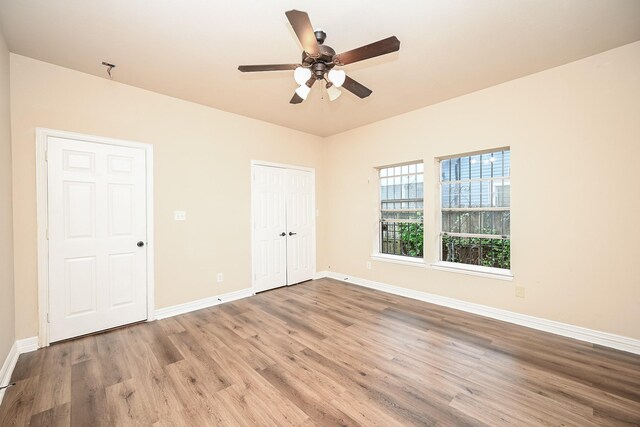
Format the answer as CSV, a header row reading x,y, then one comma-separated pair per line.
x,y
473,270
396,259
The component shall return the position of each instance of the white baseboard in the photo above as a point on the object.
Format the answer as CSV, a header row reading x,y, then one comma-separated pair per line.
x,y
174,310
27,345
577,332
21,346
7,368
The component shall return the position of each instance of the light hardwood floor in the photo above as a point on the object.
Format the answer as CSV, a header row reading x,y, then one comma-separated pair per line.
x,y
324,353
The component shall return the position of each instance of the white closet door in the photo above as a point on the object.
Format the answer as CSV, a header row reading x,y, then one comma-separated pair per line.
x,y
97,235
300,224
269,233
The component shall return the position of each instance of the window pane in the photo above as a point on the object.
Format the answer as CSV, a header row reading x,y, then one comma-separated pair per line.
x,y
485,194
487,222
481,181
476,251
445,174
497,164
464,195
474,223
445,222
475,166
487,169
444,189
405,187
401,226
507,163
464,168
474,194
464,222
506,223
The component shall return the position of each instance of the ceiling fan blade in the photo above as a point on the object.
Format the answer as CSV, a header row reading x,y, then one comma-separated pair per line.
x,y
302,26
296,99
381,47
270,67
356,88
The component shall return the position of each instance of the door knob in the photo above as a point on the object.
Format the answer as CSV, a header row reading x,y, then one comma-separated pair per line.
x,y
283,234
140,244
291,233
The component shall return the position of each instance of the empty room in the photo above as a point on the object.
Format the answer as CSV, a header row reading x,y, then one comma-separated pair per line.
x,y
283,213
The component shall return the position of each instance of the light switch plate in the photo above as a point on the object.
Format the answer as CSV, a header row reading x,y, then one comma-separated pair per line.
x,y
180,215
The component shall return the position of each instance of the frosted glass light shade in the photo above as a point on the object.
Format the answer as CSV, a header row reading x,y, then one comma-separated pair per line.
x,y
301,75
303,91
333,92
337,77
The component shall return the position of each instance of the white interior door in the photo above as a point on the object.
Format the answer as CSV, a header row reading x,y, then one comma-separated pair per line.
x,y
283,221
269,228
97,237
300,224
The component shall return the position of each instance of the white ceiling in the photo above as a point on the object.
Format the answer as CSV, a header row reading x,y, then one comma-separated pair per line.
x,y
191,49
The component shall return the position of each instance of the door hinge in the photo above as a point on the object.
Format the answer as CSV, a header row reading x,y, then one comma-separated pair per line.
x,y
48,318
47,234
46,155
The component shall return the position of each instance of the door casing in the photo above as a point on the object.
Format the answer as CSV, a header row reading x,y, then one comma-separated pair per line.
x,y
42,136
313,210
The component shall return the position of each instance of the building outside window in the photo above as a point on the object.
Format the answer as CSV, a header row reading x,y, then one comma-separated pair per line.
x,y
401,210
475,208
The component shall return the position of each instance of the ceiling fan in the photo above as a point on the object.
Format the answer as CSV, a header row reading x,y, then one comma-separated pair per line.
x,y
319,60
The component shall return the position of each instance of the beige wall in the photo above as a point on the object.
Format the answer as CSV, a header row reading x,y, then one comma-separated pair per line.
x,y
202,166
575,139
7,318
574,133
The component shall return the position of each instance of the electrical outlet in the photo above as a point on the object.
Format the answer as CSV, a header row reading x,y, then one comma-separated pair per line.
x,y
520,291
179,215
220,277
368,265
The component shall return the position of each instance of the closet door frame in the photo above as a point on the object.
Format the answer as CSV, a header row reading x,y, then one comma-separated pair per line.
x,y
313,209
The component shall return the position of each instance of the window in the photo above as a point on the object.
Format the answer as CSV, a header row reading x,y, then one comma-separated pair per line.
x,y
475,203
401,210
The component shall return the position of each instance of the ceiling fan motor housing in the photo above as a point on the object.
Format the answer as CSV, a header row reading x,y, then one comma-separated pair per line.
x,y
321,64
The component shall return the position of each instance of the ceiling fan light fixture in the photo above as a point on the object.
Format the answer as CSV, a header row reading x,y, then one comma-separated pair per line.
x,y
301,75
337,77
303,91
333,92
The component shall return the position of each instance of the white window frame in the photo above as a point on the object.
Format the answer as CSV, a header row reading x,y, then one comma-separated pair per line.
x,y
377,254
455,267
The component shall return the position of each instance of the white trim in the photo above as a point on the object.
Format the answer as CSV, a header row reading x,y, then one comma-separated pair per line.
x,y
42,135
320,275
27,345
7,368
313,210
473,270
174,310
618,342
397,259
21,346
